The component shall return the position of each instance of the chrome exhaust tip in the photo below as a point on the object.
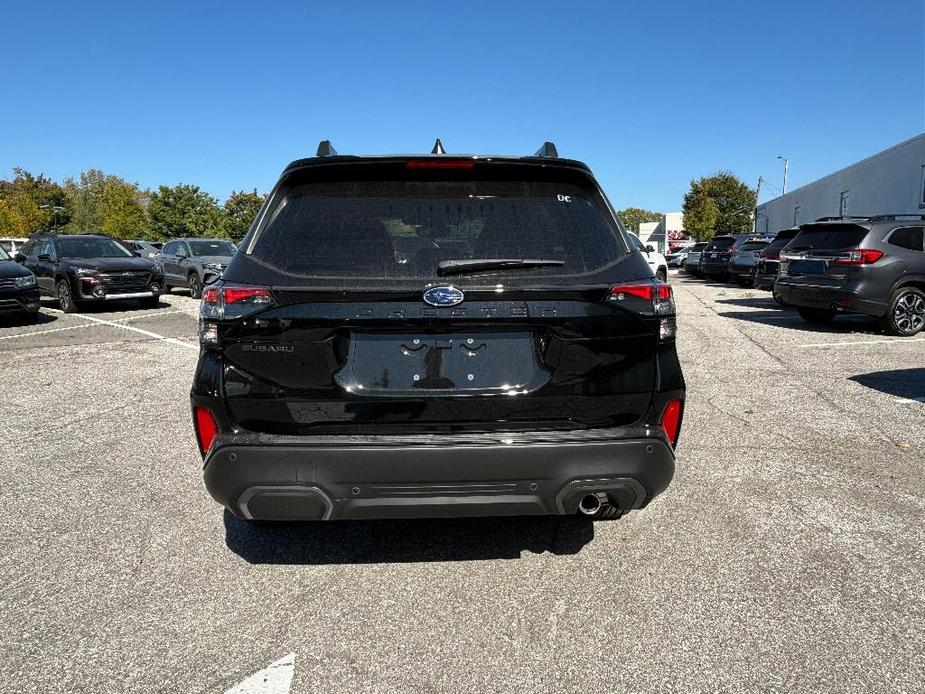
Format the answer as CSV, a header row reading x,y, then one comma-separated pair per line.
x,y
592,504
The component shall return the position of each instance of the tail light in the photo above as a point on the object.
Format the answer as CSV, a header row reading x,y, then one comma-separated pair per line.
x,y
657,292
649,298
228,302
671,421
769,255
728,251
230,294
206,428
858,256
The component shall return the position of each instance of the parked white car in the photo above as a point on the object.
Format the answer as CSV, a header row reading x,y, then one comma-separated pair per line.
x,y
12,245
655,259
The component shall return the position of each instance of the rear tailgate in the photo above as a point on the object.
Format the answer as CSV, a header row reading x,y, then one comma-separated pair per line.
x,y
350,345
809,257
401,366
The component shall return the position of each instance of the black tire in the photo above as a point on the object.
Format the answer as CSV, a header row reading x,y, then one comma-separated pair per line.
x,y
819,316
661,274
905,316
166,289
195,286
65,296
777,298
743,281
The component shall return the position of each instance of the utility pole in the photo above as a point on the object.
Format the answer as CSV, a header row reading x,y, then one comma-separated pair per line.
x,y
786,166
757,198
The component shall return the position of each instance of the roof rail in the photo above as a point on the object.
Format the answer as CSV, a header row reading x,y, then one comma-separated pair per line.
x,y
438,148
845,216
326,149
548,150
894,217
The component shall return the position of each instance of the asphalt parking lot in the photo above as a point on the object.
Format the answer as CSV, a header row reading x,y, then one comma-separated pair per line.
x,y
788,555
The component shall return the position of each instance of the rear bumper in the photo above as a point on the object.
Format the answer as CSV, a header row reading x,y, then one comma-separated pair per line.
x,y
310,482
846,298
765,274
714,267
743,270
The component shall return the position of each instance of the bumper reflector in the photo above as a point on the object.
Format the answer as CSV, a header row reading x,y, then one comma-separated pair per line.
x,y
671,421
206,428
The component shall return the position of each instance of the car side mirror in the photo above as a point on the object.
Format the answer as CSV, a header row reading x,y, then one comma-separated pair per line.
x,y
45,257
19,258
650,249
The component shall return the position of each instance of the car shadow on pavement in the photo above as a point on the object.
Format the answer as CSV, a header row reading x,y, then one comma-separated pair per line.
x,y
764,301
397,541
18,321
784,320
901,383
845,324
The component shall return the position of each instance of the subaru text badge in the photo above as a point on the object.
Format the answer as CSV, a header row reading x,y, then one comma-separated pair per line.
x,y
443,296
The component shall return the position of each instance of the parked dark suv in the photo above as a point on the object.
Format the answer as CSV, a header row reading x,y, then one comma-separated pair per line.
x,y
86,268
19,292
411,336
714,259
871,265
769,259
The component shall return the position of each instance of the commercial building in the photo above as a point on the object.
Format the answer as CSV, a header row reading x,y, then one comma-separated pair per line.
x,y
667,235
892,181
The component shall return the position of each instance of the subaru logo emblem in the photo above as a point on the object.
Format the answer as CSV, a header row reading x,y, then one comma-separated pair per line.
x,y
126,274
443,296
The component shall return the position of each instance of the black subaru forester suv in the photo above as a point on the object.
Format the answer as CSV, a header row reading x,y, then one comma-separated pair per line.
x,y
424,336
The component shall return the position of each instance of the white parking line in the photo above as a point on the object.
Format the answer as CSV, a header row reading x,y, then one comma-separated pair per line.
x,y
151,315
147,333
45,332
895,340
752,316
275,679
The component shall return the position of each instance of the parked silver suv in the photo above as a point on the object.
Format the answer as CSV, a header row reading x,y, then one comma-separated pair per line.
x,y
194,263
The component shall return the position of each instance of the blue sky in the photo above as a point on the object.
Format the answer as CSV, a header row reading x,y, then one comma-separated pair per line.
x,y
650,94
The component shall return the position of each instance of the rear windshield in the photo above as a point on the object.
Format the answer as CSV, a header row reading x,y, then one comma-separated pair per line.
x,y
721,242
395,230
781,240
698,246
753,245
828,237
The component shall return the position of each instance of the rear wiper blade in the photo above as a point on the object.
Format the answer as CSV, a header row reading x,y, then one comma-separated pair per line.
x,y
460,267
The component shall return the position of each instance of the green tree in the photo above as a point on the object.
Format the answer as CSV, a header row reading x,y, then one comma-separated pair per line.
x,y
734,204
29,204
101,202
184,210
240,210
700,215
632,217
